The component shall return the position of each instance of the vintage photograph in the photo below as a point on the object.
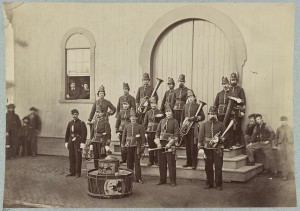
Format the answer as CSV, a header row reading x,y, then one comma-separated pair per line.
x,y
154,105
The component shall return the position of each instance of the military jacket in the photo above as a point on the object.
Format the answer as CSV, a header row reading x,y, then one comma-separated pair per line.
x,y
129,137
145,91
99,127
168,127
76,128
102,105
168,98
189,110
123,118
238,92
130,99
150,121
208,130
221,102
180,95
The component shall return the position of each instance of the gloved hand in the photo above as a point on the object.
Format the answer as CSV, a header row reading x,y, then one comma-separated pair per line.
x,y
107,148
91,147
266,142
157,141
118,134
7,146
104,134
159,146
82,145
66,145
146,135
138,135
168,146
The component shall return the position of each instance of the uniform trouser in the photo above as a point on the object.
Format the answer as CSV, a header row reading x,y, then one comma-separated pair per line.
x,y
140,118
267,149
152,154
33,142
237,133
123,149
177,116
282,152
133,162
191,149
99,152
75,157
212,158
166,160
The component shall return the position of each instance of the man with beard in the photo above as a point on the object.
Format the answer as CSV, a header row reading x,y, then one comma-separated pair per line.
x,y
13,124
126,97
74,141
169,95
152,118
143,91
238,109
102,105
190,139
213,148
180,95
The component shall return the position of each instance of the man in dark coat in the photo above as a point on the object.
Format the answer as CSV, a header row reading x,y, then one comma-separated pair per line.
x,y
13,124
221,100
35,125
75,139
169,97
74,91
126,97
85,91
24,137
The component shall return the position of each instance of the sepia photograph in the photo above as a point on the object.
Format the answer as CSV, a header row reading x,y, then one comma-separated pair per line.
x,y
149,105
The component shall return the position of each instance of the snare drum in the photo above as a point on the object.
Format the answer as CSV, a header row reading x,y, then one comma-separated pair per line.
x,y
110,186
108,165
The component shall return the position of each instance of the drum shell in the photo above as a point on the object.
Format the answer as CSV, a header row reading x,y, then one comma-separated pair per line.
x,y
110,186
108,166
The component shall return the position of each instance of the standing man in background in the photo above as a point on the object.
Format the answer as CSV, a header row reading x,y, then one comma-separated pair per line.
x,y
35,125
13,124
169,97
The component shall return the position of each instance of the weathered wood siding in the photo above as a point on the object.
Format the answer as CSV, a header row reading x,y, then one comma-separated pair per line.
x,y
119,30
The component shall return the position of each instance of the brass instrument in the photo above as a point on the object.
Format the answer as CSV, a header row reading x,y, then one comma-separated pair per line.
x,y
215,140
145,101
186,125
231,102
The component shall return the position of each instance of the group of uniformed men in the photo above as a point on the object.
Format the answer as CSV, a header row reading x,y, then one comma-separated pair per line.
x,y
161,129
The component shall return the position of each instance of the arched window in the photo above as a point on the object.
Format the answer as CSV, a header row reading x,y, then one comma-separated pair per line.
x,y
78,66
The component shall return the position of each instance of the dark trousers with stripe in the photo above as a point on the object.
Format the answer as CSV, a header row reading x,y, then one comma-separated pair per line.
x,y
212,158
152,154
75,157
191,149
166,160
133,162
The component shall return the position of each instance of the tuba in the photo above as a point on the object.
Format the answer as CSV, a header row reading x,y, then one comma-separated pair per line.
x,y
186,125
230,105
145,101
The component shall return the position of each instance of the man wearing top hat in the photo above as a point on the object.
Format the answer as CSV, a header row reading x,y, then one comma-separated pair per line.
x,y
126,97
35,126
284,142
133,139
123,118
143,91
212,143
190,139
238,109
13,124
85,91
74,91
101,137
167,134
102,105
169,97
151,120
75,138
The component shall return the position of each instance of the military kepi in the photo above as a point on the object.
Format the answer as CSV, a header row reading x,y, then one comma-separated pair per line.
x,y
212,110
74,111
225,80
126,86
146,76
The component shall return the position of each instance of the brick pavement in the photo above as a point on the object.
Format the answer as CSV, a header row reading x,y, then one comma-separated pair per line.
x,y
41,182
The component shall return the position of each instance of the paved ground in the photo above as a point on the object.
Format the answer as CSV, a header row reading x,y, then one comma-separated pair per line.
x,y
41,182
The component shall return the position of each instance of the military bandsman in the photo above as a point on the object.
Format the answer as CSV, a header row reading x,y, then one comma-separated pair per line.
x,y
180,95
126,97
221,100
169,97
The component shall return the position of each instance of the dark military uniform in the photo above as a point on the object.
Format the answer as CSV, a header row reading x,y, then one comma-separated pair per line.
x,y
13,124
123,118
221,103
214,154
150,124
135,146
167,129
168,98
101,136
189,110
102,105
130,99
180,95
76,128
35,125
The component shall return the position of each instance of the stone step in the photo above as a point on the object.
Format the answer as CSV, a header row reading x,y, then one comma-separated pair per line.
x,y
182,152
242,174
229,163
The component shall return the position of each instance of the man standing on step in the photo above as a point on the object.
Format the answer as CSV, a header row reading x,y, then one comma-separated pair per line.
x,y
126,97
123,118
212,143
169,95
262,138
74,141
133,139
143,91
180,95
190,139
151,121
238,109
167,134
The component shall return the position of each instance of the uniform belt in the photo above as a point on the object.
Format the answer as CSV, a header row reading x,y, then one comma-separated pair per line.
x,y
152,124
99,134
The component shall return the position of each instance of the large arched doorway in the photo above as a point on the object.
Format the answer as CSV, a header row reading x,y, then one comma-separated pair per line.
x,y
198,41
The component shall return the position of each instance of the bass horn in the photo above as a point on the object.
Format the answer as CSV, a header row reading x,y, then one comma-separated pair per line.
x,y
145,101
231,102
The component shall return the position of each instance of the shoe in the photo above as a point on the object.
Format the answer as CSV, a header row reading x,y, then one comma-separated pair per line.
x,y
207,186
265,171
250,164
173,184
149,164
139,181
70,175
284,178
219,188
194,167
185,165
161,183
